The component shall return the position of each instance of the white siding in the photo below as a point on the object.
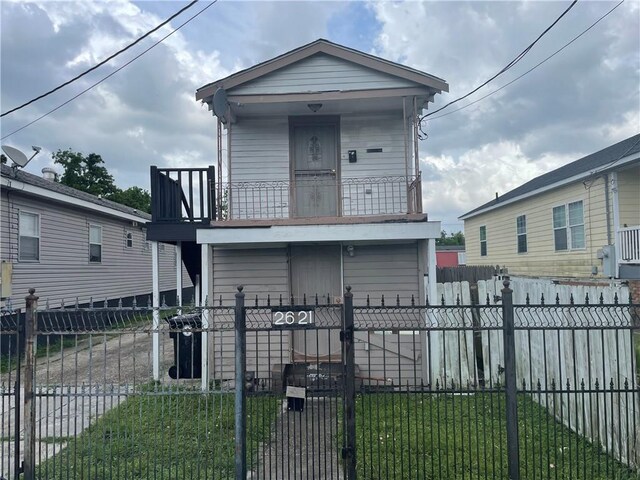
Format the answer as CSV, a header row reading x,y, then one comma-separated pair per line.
x,y
321,72
64,271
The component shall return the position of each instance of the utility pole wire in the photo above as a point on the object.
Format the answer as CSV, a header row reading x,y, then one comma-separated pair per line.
x,y
535,66
111,74
46,94
507,67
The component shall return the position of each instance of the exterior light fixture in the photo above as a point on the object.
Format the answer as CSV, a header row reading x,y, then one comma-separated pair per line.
x,y
314,107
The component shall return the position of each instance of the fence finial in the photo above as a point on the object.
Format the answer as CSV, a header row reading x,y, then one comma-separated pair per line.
x,y
134,303
397,300
106,302
442,299
46,303
571,298
526,300
304,298
457,299
615,298
557,298
586,298
220,300
280,300
316,299
368,301
77,303
256,300
630,298
413,300
149,301
601,299
506,282
91,302
382,300
120,302
268,299
62,303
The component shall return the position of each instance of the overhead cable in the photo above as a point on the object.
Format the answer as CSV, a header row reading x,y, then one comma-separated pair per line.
x,y
111,74
534,67
111,57
518,57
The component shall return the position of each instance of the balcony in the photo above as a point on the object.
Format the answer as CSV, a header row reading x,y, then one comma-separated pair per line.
x,y
321,196
629,245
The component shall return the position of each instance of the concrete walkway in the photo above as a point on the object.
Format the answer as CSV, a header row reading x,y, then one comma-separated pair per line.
x,y
304,445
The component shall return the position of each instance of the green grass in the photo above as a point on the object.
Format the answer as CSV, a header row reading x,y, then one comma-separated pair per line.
x,y
467,439
166,434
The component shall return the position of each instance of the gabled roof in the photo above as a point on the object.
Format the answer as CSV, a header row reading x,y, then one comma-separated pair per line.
x,y
329,48
100,203
599,162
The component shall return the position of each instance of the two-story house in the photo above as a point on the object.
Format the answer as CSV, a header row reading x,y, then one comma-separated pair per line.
x,y
318,186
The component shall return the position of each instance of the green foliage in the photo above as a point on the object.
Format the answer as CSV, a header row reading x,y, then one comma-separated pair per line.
x,y
464,436
164,433
452,239
88,174
134,197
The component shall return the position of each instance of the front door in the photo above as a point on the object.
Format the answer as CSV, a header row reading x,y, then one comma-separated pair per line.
x,y
315,163
315,270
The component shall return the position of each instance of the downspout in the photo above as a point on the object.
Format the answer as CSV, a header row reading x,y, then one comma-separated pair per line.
x,y
616,220
607,207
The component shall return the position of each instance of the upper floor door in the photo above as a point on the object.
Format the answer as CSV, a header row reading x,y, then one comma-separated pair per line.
x,y
315,163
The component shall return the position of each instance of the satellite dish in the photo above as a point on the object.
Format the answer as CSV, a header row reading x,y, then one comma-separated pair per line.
x,y
220,104
17,157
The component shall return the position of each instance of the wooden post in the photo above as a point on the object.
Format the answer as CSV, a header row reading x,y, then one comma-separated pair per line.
x,y
29,401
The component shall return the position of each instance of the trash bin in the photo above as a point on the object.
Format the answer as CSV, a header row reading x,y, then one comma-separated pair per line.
x,y
187,346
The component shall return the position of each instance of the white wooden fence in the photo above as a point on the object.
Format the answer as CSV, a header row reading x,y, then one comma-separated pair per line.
x,y
571,357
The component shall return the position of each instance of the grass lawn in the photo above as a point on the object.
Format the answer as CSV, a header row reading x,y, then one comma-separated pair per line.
x,y
467,440
162,435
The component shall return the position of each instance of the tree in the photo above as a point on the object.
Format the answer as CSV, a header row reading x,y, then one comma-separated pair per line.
x,y
453,239
134,197
88,174
85,173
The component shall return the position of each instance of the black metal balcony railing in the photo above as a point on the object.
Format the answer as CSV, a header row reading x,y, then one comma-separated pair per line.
x,y
322,196
183,195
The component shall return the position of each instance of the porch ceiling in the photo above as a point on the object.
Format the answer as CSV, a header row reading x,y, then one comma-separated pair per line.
x,y
285,234
333,103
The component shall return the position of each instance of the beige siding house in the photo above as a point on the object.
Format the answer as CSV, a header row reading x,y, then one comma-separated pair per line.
x,y
581,220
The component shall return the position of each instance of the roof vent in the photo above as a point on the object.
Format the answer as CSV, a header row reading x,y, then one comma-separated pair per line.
x,y
49,173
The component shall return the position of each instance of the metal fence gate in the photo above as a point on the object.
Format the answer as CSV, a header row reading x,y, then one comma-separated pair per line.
x,y
322,390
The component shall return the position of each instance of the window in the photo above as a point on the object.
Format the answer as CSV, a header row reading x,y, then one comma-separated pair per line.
x,y
95,243
521,231
29,236
568,234
483,241
128,242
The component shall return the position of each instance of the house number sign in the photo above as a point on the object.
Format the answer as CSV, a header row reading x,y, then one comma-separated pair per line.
x,y
292,317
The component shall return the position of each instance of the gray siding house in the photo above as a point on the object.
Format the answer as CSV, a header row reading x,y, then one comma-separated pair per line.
x,y
72,246
319,188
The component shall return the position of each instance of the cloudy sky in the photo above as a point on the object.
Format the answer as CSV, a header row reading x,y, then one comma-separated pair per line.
x,y
584,99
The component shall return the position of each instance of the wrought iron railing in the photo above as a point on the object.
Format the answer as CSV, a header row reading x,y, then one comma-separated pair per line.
x,y
322,196
629,244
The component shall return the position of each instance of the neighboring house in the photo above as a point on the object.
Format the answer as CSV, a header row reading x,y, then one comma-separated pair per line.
x,y
450,255
322,186
73,246
580,220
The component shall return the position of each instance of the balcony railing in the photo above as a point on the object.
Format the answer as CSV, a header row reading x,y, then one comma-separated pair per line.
x,y
322,196
629,244
182,195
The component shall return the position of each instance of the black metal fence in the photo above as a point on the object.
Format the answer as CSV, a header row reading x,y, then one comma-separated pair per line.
x,y
286,389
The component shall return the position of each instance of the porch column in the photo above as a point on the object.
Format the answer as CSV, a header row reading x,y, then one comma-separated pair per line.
x,y
155,268
179,277
434,337
206,300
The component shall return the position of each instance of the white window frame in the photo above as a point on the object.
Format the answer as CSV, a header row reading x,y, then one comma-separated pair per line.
x,y
486,246
568,228
38,236
94,225
128,239
521,234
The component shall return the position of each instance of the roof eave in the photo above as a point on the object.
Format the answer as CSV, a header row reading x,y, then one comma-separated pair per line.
x,y
321,46
493,205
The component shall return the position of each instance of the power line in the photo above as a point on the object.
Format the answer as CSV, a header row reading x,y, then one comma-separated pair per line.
x,y
518,57
111,74
46,94
534,67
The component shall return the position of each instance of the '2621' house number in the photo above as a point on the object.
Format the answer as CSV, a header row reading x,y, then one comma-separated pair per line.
x,y
292,317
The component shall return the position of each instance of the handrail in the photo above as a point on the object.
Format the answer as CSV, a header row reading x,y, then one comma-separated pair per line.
x,y
183,194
